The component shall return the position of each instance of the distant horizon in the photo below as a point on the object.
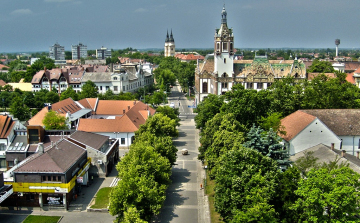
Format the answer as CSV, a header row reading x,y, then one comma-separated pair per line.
x,y
162,49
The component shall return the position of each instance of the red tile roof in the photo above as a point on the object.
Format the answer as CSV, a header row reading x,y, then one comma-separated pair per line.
x,y
350,78
114,107
2,83
295,123
129,122
3,66
64,106
6,126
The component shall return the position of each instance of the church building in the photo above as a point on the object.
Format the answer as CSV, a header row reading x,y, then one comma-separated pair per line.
x,y
220,71
169,49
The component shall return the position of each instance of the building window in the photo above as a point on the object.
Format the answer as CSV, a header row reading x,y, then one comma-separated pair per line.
x,y
2,147
132,139
123,88
224,85
205,87
49,178
218,46
10,163
115,78
259,85
107,88
115,88
54,178
231,47
224,60
269,85
59,178
3,163
249,85
100,88
122,141
43,178
224,46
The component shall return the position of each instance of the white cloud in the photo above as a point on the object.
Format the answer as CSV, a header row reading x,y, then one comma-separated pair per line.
x,y
22,12
140,10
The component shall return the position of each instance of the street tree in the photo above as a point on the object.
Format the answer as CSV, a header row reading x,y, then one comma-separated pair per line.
x,y
207,109
54,121
329,196
144,175
245,179
159,125
52,97
162,145
172,113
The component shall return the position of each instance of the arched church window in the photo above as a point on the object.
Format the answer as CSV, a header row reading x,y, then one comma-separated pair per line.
x,y
205,87
231,46
225,46
296,75
224,75
218,46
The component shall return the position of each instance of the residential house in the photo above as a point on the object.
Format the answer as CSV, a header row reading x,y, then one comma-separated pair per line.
x,y
68,108
8,126
306,128
326,154
102,150
115,119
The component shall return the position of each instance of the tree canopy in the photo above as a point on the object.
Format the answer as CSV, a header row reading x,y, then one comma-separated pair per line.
x,y
53,120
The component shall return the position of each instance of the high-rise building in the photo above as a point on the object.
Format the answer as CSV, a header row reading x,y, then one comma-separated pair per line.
x,y
57,52
103,53
169,49
78,51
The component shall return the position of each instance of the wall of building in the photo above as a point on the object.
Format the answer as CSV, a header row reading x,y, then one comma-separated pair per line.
x,y
312,135
350,144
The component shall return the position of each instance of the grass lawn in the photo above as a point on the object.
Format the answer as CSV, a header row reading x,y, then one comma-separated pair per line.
x,y
209,190
102,198
41,219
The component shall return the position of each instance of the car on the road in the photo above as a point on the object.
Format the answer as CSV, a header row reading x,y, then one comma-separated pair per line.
x,y
184,152
172,105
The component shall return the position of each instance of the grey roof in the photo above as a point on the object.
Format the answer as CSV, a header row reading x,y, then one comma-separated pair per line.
x,y
97,77
90,139
58,159
18,145
343,122
325,154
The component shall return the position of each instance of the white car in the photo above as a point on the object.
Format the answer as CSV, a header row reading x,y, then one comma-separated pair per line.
x,y
172,105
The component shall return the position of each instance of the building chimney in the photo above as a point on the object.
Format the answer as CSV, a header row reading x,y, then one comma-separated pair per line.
x,y
111,67
357,154
44,69
52,144
332,146
41,148
148,113
343,152
134,102
128,107
124,111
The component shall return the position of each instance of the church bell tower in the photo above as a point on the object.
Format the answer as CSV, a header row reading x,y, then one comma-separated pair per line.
x,y
169,49
224,48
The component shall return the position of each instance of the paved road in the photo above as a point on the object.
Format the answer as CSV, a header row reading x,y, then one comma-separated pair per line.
x,y
185,200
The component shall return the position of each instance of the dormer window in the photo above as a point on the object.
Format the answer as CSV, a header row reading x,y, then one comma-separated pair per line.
x,y
115,78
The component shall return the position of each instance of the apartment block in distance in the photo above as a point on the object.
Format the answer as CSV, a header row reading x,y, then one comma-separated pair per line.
x,y
103,53
78,51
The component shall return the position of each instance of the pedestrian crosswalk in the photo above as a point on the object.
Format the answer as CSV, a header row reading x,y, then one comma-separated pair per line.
x,y
114,182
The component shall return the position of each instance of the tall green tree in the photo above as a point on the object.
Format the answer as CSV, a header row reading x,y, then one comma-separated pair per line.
x,y
329,196
245,179
89,90
53,120
207,109
159,125
170,112
19,109
69,93
52,97
321,67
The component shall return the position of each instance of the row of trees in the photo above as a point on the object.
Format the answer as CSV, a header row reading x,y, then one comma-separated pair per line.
x,y
145,171
241,148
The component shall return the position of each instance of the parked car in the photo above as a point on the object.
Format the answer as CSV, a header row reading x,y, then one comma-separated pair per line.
x,y
172,105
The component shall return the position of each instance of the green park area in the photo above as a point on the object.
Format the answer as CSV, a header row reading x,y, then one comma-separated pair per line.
x,y
41,219
102,198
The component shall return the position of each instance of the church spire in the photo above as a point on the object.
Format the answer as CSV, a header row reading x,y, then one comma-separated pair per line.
x,y
171,37
167,36
223,15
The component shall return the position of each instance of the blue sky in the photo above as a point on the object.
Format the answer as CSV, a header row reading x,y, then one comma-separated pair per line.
x,y
37,24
